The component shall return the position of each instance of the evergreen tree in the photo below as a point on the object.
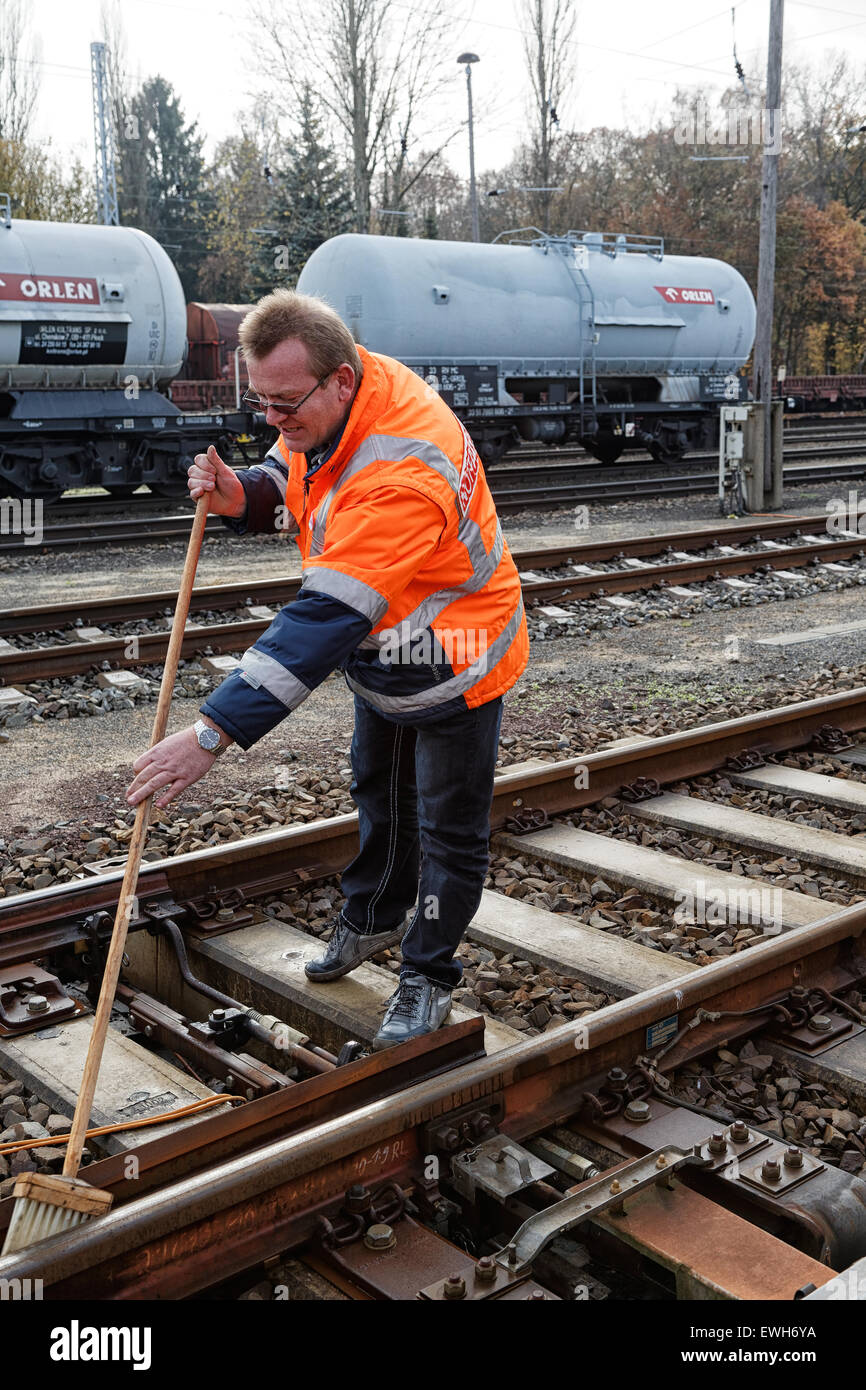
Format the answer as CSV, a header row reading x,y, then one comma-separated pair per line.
x,y
312,201
238,208
161,177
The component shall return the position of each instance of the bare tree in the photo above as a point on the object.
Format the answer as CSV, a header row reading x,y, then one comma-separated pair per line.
x,y
374,68
19,81
116,63
826,145
549,33
410,146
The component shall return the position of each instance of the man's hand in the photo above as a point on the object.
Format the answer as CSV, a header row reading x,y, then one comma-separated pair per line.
x,y
209,474
169,767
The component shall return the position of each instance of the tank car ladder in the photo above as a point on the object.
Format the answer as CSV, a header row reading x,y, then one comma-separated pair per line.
x,y
586,317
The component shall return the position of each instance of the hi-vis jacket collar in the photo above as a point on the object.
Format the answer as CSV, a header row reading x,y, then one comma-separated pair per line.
x,y
371,400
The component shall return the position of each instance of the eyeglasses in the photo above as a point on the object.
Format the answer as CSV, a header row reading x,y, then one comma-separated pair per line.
x,y
251,398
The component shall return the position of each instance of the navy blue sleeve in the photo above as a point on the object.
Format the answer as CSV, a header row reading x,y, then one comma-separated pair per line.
x,y
307,640
264,485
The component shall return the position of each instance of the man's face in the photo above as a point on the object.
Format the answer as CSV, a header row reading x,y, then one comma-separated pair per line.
x,y
285,375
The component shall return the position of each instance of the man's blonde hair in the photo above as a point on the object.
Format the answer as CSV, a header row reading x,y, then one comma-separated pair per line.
x,y
287,314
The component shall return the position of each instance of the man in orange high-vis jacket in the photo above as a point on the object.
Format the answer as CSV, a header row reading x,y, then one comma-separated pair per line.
x,y
409,587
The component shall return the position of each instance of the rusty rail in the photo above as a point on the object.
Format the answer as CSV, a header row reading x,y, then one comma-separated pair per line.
x,y
71,658
37,923
206,1227
284,587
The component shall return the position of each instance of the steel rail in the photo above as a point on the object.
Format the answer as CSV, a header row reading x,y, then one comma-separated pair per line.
x,y
689,571
512,486
281,588
284,1111
798,430
830,446
141,529
555,476
36,923
665,486
127,607
181,1239
72,658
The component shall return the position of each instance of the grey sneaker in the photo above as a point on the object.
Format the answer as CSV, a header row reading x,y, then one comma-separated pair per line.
x,y
418,1006
348,949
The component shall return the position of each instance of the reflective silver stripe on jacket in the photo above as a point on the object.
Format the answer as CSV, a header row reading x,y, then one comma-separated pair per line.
x,y
386,448
446,690
275,472
259,669
353,592
484,565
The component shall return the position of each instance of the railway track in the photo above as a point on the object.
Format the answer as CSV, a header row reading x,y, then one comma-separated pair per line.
x,y
800,430
585,571
595,1134
668,484
795,438
552,479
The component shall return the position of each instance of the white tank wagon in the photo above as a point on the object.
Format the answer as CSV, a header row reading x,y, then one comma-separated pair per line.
x,y
92,332
87,306
598,337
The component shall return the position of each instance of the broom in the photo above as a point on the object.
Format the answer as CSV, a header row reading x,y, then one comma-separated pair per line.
x,y
46,1205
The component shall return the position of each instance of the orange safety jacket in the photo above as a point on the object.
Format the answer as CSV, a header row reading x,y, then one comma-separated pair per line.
x,y
404,563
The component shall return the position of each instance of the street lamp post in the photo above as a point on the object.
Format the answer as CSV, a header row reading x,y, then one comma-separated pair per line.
x,y
469,59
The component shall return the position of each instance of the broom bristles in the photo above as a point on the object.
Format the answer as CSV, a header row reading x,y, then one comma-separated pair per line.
x,y
45,1205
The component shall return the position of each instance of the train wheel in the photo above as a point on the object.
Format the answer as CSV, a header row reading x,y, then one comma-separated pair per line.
x,y
492,447
174,491
47,496
665,454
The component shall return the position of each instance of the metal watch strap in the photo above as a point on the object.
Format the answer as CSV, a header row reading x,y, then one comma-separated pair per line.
x,y
199,726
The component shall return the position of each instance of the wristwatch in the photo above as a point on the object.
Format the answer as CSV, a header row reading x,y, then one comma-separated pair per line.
x,y
208,738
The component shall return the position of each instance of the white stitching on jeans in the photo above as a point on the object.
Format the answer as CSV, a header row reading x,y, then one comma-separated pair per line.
x,y
392,832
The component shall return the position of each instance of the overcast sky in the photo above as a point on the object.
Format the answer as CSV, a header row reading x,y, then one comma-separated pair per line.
x,y
629,58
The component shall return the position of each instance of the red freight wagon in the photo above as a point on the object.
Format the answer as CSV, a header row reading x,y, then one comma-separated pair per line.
x,y
209,380
825,392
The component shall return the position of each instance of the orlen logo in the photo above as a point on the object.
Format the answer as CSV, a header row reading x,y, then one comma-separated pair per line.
x,y
468,474
676,294
42,290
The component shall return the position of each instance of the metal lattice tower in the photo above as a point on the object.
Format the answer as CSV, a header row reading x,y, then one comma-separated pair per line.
x,y
103,139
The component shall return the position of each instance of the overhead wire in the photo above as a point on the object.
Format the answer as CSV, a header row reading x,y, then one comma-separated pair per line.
x,y
666,38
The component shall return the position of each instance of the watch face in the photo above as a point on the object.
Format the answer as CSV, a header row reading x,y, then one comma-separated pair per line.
x,y
208,739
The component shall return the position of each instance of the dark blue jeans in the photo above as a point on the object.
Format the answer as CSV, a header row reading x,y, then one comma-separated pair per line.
x,y
423,794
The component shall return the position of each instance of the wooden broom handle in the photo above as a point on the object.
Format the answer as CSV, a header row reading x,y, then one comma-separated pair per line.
x,y
114,960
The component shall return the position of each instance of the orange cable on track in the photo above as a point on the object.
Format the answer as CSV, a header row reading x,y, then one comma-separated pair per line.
x,y
183,1113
